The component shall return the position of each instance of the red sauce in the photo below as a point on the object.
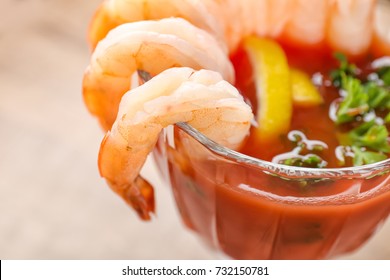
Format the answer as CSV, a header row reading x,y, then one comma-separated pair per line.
x,y
314,121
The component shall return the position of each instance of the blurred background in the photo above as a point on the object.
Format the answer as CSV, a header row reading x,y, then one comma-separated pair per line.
x,y
53,203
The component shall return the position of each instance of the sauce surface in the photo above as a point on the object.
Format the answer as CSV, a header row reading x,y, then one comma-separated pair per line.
x,y
313,121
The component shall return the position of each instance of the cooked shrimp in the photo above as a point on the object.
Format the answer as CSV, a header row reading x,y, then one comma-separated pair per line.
x,y
342,25
270,17
307,22
112,13
152,46
201,98
381,40
351,25
200,35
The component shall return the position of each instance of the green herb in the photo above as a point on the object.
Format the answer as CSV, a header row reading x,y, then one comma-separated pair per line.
x,y
310,160
378,97
314,161
355,102
293,161
363,156
302,155
360,97
345,68
387,118
369,141
370,135
384,75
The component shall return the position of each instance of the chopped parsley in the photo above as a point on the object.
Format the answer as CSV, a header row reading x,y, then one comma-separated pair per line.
x,y
310,160
345,69
361,117
370,135
378,97
355,102
369,140
304,153
384,75
362,156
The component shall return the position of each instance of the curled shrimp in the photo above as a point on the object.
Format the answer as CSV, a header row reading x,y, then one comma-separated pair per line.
x,y
157,36
381,38
200,98
151,46
112,13
341,25
351,25
155,45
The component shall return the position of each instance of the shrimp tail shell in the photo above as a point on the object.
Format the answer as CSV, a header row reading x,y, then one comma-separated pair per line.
x,y
139,194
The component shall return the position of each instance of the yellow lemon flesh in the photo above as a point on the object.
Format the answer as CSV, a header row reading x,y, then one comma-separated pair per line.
x,y
303,91
273,87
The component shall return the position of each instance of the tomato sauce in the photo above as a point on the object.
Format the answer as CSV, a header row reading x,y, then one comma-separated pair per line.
x,y
313,121
249,212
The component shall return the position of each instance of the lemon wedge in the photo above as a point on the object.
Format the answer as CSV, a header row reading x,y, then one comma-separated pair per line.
x,y
273,87
303,91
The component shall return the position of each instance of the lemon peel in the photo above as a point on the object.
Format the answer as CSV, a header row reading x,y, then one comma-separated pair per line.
x,y
304,93
273,87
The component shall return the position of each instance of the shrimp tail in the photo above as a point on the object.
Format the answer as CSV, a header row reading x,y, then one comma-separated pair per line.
x,y
135,191
139,195
141,198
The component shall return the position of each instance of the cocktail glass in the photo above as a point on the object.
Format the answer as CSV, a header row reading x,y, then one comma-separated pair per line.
x,y
248,208
253,209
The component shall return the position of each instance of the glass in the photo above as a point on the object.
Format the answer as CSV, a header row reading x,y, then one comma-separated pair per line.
x,y
252,209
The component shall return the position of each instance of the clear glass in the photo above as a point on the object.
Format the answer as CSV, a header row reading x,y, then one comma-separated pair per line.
x,y
252,209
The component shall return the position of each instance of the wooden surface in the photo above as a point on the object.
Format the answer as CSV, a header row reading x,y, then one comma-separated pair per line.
x,y
53,204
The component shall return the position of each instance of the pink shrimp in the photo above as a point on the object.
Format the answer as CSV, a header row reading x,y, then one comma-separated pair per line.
x,y
200,98
158,36
151,46
343,25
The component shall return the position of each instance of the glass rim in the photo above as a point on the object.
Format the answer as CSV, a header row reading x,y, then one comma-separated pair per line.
x,y
285,171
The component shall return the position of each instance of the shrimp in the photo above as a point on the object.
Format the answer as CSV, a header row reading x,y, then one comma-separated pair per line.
x,y
200,98
351,25
341,25
112,13
381,38
307,23
185,45
151,46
